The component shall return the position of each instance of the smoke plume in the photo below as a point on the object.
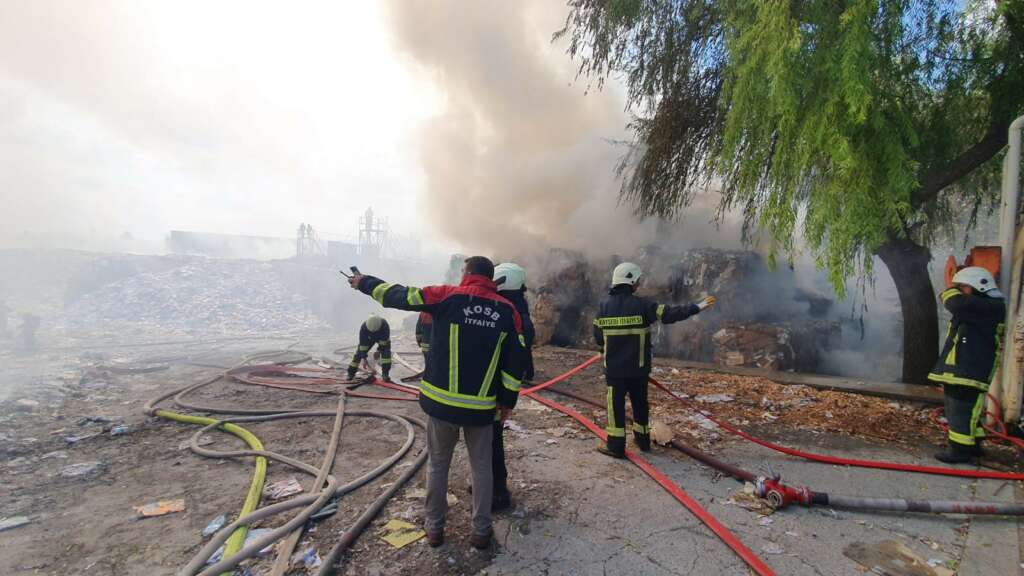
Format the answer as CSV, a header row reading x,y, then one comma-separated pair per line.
x,y
522,156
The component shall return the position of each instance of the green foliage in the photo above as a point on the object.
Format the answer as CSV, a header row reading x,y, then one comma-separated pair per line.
x,y
852,123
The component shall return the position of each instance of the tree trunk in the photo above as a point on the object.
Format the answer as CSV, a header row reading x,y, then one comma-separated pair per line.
x,y
908,264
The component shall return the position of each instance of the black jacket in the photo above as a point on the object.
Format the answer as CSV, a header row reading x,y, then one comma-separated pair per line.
x,y
623,327
973,340
381,336
475,360
518,299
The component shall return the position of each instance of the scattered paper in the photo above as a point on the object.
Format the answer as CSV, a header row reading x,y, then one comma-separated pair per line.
x,y
13,522
160,508
250,538
400,534
282,489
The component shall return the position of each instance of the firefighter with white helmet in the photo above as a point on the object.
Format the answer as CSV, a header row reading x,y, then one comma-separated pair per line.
x,y
374,331
969,358
622,328
510,278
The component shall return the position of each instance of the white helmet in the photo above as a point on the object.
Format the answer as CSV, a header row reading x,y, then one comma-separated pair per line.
x,y
980,279
509,276
626,273
374,322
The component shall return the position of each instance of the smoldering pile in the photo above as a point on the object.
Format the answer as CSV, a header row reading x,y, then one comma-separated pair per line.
x,y
200,297
762,317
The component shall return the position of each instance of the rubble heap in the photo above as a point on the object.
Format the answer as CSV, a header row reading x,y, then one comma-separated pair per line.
x,y
762,319
234,297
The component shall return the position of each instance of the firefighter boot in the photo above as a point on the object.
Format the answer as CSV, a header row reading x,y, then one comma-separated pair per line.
x,y
642,441
615,447
387,377
502,500
351,374
957,454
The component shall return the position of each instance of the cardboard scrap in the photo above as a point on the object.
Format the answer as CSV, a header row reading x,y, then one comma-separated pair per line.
x,y
160,508
283,489
400,534
661,433
893,558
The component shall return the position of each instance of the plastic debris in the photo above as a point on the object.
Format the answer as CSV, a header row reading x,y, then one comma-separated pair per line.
x,y
773,549
515,427
250,538
215,524
13,522
309,558
204,440
400,534
452,499
55,454
329,509
714,398
27,403
551,441
77,439
160,508
82,469
94,420
120,430
765,521
282,489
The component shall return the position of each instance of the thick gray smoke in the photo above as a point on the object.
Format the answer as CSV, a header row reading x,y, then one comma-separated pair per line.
x,y
522,157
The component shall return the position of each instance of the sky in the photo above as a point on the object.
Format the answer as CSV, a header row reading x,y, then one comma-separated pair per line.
x,y
118,116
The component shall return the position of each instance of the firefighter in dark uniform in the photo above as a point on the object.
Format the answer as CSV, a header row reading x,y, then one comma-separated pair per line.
x,y
969,358
622,328
474,372
511,282
374,331
424,332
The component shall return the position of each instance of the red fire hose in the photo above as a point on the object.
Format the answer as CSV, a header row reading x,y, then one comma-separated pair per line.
x,y
843,461
755,563
780,495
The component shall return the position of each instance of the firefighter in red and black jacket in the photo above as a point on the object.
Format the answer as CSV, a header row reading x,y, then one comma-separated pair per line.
x,y
474,372
622,328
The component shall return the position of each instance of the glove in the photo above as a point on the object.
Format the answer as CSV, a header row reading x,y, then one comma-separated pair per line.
x,y
706,302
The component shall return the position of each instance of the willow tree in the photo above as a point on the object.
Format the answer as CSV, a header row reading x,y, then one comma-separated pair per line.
x,y
867,127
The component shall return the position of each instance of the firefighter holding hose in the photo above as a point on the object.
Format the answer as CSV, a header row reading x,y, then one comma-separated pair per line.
x,y
623,328
969,358
374,331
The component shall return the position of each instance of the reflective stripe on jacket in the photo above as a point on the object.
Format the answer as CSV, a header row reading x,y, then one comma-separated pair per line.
x,y
973,340
622,329
476,349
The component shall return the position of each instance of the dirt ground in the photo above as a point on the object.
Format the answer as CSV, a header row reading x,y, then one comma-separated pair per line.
x,y
87,525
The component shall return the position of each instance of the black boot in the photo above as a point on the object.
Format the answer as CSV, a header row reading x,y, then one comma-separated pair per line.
x,y
351,374
957,454
615,447
387,377
502,500
643,441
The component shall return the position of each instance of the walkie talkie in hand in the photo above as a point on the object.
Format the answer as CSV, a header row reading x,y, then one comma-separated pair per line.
x,y
355,272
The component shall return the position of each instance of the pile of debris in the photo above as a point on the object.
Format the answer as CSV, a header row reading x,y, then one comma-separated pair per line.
x,y
236,297
762,318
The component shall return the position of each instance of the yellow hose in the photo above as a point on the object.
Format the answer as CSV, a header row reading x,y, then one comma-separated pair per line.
x,y
252,499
